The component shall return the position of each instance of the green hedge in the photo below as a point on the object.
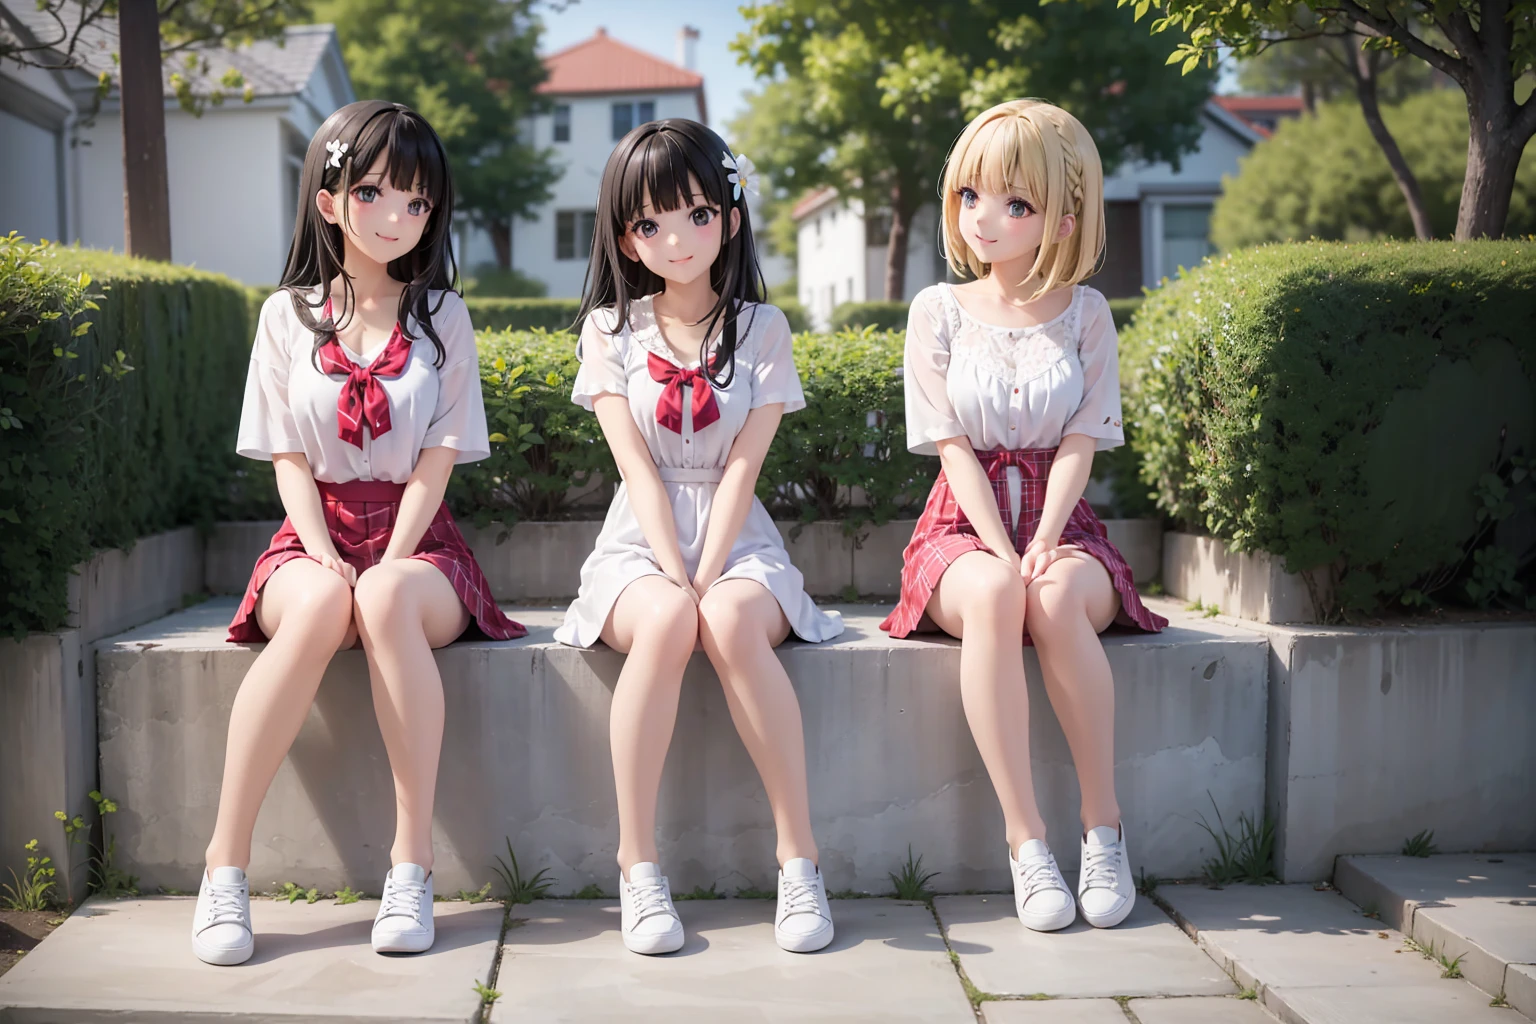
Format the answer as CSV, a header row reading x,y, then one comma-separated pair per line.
x,y
1124,310
885,316
118,378
1365,411
488,314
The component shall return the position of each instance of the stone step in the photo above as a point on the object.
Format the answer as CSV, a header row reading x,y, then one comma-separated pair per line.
x,y
525,760
1312,957
1478,907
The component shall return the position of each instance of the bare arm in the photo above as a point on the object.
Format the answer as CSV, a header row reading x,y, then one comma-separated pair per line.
x,y
647,494
301,500
419,504
735,493
973,490
1063,489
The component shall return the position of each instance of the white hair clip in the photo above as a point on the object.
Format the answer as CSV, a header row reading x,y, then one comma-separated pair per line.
x,y
743,174
337,149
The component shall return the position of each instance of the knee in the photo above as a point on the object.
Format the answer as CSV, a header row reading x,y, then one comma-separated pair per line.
x,y
671,621
381,596
995,594
323,607
727,624
1053,602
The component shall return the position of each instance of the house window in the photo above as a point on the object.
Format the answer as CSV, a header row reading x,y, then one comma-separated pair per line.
x,y
573,233
1186,236
562,122
877,228
629,115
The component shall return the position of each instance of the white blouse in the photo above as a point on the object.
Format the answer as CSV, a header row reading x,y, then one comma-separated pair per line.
x,y
1007,388
290,406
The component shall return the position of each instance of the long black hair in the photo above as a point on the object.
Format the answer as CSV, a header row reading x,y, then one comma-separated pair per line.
x,y
656,160
367,128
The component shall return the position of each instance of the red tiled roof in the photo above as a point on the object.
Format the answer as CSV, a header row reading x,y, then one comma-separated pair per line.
x,y
811,200
603,64
1268,108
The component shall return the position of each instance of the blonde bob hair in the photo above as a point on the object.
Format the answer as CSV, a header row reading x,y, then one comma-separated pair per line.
x,y
1044,155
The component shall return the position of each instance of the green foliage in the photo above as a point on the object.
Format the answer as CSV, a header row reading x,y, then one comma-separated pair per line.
x,y
118,376
883,316
1122,310
30,891
1342,406
701,893
1319,66
1422,844
347,895
520,889
794,312
293,892
497,314
1324,176
590,891
911,881
480,895
493,282
1248,856
487,994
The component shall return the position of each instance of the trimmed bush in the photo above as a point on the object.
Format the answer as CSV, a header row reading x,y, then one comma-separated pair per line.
x,y
1365,411
489,281
799,319
884,316
117,381
522,314
1122,310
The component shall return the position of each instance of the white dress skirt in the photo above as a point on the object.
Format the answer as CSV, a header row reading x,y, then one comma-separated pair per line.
x,y
691,458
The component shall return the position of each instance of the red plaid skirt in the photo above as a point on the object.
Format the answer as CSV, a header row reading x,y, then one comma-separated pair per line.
x,y
360,516
943,534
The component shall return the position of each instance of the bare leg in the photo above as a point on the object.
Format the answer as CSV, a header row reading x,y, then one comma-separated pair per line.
x,y
656,625
740,623
1067,608
307,611
981,600
405,608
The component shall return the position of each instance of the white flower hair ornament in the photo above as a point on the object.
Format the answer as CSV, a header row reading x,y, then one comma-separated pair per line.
x,y
337,149
743,174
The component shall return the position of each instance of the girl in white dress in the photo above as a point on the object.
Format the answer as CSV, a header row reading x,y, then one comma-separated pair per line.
x,y
688,373
1012,380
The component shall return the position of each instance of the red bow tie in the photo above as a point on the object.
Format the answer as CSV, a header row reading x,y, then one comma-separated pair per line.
x,y
362,399
673,379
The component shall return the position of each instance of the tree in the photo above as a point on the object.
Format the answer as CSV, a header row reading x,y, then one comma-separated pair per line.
x,y
470,67
1485,46
149,34
868,95
1314,68
1324,177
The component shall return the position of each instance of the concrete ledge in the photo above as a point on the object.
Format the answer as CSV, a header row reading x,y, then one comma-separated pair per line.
x,y
1249,585
890,758
117,589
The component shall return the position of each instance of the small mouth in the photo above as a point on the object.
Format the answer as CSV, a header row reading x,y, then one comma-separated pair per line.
x,y
387,238
685,259
984,241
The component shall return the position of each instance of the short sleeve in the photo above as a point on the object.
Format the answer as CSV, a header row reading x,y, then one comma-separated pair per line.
x,y
267,426
458,421
774,378
1098,350
930,414
602,363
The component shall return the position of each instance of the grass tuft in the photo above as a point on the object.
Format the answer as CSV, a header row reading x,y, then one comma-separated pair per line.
x,y
520,889
1421,845
911,881
1248,856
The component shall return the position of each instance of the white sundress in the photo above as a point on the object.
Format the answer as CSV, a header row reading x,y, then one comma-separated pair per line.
x,y
691,462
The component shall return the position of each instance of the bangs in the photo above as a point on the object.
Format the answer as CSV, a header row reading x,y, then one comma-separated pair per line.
x,y
993,160
412,153
660,166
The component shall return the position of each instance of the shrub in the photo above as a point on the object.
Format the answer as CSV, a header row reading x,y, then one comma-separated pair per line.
x,y
1364,411
884,316
489,314
1122,310
490,281
118,376
799,319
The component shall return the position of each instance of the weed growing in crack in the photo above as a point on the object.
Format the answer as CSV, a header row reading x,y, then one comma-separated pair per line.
x,y
1248,856
1420,845
520,889
911,881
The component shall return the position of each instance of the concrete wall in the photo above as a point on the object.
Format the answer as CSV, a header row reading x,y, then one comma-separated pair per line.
x,y
526,756
1250,585
1376,734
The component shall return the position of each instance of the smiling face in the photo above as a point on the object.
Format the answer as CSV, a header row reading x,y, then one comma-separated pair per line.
x,y
1001,227
379,220
682,244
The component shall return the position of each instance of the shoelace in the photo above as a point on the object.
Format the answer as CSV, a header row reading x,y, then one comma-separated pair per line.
x,y
649,898
1100,866
1038,875
799,896
226,905
403,899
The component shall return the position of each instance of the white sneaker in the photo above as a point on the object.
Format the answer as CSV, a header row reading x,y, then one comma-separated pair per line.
x,y
803,922
221,927
1105,887
650,924
404,922
1039,892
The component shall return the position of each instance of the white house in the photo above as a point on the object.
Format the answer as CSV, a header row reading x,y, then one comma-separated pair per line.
x,y
598,89
233,172
1156,218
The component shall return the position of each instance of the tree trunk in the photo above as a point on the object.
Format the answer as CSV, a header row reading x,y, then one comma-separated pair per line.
x,y
1363,66
501,241
1495,144
896,245
146,189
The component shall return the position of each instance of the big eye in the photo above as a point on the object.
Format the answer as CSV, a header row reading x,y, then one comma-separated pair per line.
x,y
417,207
366,193
968,198
645,228
1019,208
701,216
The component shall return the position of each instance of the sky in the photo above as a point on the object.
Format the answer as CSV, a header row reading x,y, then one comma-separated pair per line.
x,y
652,25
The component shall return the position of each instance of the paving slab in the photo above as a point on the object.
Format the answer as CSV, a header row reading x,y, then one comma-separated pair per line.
x,y
1147,955
131,961
1315,958
1520,987
1053,1011
1481,907
1199,1010
565,961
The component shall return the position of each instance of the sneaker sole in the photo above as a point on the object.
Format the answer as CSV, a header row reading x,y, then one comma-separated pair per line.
x,y
1050,924
669,942
404,945
220,956
1110,920
819,939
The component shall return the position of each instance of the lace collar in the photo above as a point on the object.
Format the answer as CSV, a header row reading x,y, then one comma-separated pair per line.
x,y
645,330
1013,354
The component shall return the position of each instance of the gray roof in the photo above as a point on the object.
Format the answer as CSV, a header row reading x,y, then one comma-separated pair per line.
x,y
280,67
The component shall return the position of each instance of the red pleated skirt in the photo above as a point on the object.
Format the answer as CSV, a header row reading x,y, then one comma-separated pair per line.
x,y
943,534
360,516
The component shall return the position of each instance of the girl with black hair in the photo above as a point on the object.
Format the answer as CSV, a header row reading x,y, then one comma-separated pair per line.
x,y
364,391
689,371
